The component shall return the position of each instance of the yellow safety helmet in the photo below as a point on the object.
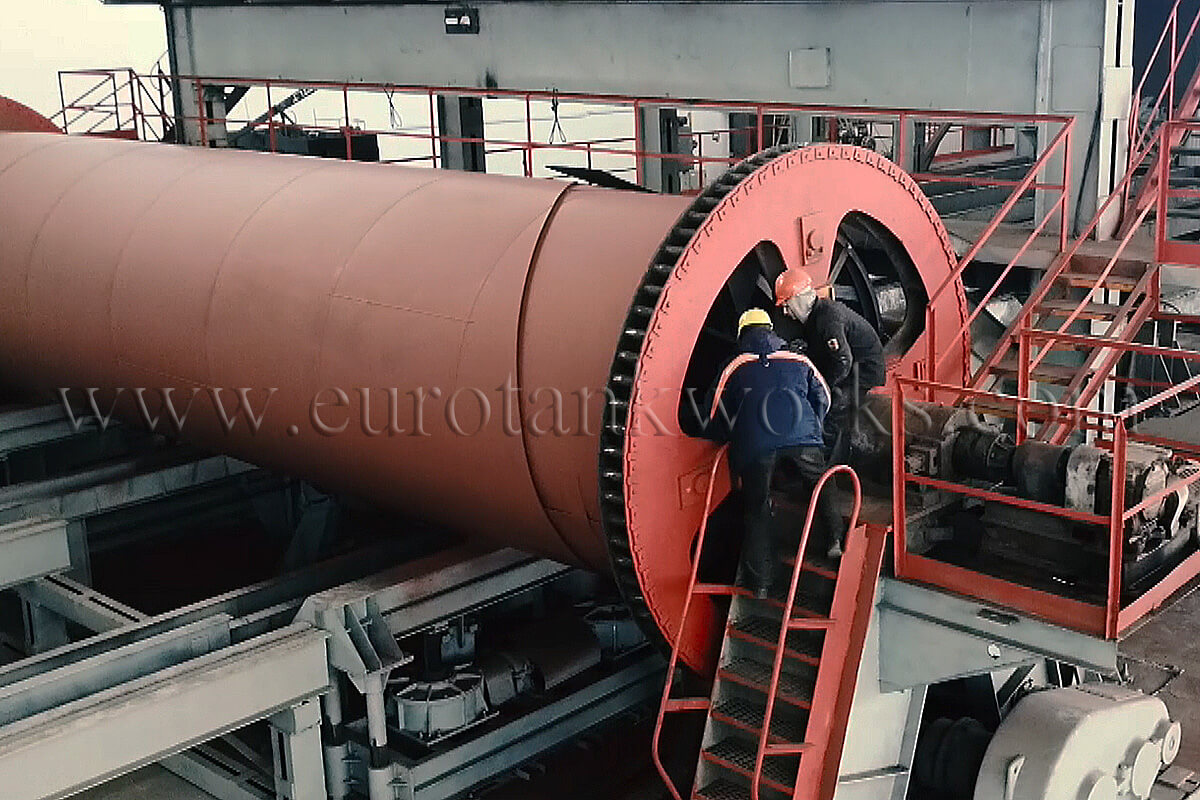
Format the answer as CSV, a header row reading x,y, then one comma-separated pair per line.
x,y
754,316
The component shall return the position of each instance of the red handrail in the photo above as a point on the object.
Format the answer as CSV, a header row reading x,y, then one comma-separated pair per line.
x,y
1061,141
789,605
673,664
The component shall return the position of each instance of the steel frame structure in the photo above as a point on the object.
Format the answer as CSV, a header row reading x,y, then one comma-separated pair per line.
x,y
1110,430
904,127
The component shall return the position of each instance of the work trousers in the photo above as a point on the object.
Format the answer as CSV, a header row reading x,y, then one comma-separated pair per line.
x,y
799,467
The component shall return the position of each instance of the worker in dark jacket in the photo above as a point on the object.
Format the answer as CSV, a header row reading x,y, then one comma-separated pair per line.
x,y
844,347
773,404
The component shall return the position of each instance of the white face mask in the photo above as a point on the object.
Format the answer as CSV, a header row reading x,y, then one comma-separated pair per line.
x,y
799,306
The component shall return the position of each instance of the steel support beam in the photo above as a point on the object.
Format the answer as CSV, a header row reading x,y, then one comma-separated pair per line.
x,y
144,720
206,768
970,638
21,428
111,487
299,758
80,604
460,118
40,692
33,548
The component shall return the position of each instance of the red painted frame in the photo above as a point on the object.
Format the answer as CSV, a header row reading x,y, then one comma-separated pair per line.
x,y
1109,620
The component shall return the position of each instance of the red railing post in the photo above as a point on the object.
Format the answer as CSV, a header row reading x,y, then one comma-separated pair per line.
x,y
433,130
528,136
1023,379
201,114
899,484
1161,199
116,100
270,119
1116,532
1064,231
62,101
346,129
639,168
1174,24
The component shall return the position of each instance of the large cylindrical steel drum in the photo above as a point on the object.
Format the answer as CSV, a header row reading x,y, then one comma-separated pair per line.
x,y
506,357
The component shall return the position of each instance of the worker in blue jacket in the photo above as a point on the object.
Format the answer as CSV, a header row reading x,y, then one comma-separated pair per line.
x,y
771,403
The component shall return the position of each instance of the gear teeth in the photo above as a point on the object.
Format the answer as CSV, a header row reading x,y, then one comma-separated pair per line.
x,y
612,437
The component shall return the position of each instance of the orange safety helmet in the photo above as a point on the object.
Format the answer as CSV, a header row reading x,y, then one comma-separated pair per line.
x,y
790,283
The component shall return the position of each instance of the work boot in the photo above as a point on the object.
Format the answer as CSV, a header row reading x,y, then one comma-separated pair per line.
x,y
834,553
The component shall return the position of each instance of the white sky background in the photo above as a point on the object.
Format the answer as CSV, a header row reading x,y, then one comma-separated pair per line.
x,y
40,37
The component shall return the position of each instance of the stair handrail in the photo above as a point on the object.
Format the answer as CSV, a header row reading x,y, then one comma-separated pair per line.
x,y
1056,269
1062,140
1101,277
1138,134
673,663
1094,372
764,735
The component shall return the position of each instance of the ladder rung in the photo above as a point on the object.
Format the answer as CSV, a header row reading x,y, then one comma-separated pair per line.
x,y
1063,308
816,569
1045,373
715,589
688,704
787,748
810,624
1088,280
793,689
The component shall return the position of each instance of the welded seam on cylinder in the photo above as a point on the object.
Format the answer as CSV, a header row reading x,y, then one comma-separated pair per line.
x,y
120,259
544,216
548,221
58,139
319,358
212,291
37,238
379,303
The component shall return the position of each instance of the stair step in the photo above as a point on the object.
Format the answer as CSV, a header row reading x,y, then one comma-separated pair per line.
x,y
722,790
1063,308
810,623
778,773
825,570
765,633
1087,280
793,689
748,717
1045,373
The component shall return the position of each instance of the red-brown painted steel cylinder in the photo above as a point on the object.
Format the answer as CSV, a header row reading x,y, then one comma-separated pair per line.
x,y
16,116
134,265
348,292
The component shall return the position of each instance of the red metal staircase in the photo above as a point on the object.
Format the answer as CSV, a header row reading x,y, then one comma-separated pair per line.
x,y
779,705
1109,297
1142,139
1113,296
